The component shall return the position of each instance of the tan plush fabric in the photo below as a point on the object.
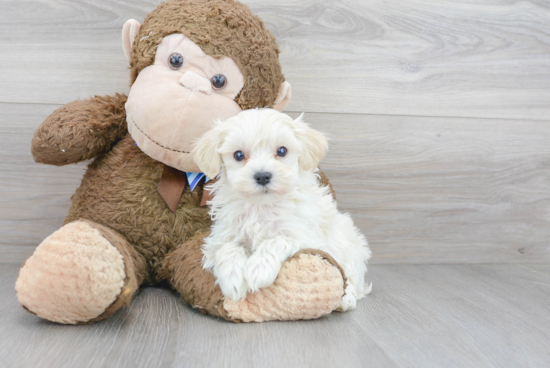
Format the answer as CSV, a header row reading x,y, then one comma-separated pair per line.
x,y
129,33
283,97
73,276
308,286
164,117
135,269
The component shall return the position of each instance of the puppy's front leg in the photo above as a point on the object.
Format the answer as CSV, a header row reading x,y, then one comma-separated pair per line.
x,y
264,264
229,262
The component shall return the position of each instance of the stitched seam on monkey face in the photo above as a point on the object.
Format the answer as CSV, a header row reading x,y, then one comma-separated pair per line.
x,y
152,140
178,121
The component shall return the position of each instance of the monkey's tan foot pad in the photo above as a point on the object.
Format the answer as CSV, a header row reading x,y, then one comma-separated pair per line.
x,y
309,285
73,276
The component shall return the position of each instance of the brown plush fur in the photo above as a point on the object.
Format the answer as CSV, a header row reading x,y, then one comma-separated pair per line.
x,y
119,190
135,269
80,130
119,193
183,269
243,38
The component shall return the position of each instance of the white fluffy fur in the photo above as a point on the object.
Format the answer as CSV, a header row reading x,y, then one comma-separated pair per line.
x,y
256,228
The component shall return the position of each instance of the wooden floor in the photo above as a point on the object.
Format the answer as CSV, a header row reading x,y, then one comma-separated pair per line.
x,y
417,316
439,119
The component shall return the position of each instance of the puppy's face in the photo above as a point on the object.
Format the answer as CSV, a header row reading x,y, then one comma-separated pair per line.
x,y
262,152
261,159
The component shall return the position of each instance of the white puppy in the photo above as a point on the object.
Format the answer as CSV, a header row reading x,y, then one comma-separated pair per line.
x,y
268,204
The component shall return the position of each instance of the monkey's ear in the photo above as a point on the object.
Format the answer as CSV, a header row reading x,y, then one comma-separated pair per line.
x,y
129,33
206,154
283,97
314,145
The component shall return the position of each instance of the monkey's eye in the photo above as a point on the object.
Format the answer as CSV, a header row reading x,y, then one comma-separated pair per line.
x,y
218,81
176,61
281,152
239,155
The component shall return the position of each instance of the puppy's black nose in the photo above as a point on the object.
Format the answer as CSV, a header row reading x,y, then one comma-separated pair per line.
x,y
262,178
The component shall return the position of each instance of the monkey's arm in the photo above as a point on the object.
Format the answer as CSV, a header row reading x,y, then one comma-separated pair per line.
x,y
80,130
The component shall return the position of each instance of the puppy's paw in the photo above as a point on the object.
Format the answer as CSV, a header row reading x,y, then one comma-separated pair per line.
x,y
234,288
259,272
230,262
347,303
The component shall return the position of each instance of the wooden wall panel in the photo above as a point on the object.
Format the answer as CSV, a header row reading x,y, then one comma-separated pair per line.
x,y
414,57
424,190
443,190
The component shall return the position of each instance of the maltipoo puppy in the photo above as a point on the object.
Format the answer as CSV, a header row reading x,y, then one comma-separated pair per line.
x,y
268,204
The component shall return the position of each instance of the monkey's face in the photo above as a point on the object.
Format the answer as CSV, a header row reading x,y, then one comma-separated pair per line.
x,y
176,100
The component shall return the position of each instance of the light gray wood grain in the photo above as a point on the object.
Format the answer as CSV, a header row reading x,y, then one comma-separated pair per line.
x,y
460,315
417,316
467,58
442,190
157,330
34,198
423,190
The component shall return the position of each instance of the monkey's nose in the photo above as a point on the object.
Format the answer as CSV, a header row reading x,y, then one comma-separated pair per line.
x,y
195,82
262,178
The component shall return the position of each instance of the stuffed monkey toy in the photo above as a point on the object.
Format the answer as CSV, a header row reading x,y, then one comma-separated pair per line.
x,y
138,217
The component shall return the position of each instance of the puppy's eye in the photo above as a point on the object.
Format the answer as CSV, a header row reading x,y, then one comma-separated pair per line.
x,y
218,81
239,155
176,61
281,152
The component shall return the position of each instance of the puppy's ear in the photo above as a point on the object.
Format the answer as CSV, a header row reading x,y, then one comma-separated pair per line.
x,y
206,154
314,145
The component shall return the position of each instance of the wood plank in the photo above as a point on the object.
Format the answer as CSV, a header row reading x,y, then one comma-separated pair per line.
x,y
477,59
443,190
423,190
459,315
416,316
158,330
34,198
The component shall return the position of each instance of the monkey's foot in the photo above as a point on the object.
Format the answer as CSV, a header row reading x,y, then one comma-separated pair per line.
x,y
309,285
74,275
